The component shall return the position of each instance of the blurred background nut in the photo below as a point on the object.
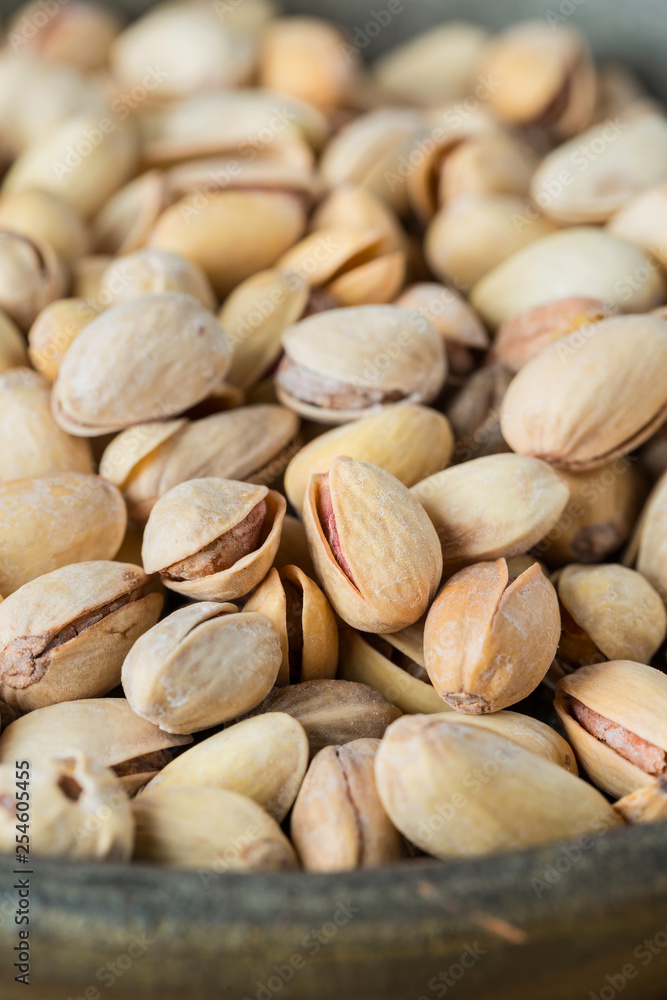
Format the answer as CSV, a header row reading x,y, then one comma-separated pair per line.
x,y
87,272
12,345
64,635
354,208
200,666
45,218
124,221
523,336
213,539
53,331
648,548
489,640
31,276
474,414
641,220
79,35
149,272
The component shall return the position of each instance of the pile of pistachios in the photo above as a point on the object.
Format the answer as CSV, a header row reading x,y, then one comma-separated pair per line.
x,y
332,440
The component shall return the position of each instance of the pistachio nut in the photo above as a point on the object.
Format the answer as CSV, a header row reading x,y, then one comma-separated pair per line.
x,y
149,272
200,666
77,809
271,169
31,276
641,220
338,822
498,505
54,329
373,546
31,442
489,641
340,363
210,829
213,539
474,414
105,730
43,217
393,439
309,59
12,345
451,315
78,36
52,521
608,613
332,712
264,757
493,795
354,208
125,221
523,336
529,733
581,261
591,396
65,635
305,622
645,805
619,91
649,547
101,388
614,716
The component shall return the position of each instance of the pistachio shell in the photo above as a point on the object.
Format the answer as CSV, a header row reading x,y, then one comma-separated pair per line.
x,y
474,414
87,272
127,450
645,805
54,329
53,521
309,59
264,757
523,336
293,547
124,222
150,272
652,538
12,345
448,311
31,275
353,207
529,733
498,505
45,218
325,253
79,36
588,398
286,170
641,220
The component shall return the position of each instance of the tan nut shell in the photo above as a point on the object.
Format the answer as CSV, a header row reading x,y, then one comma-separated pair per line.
x,y
642,221
338,822
617,608
388,541
523,336
87,665
192,515
527,801
264,757
150,272
630,694
12,345
52,521
101,387
126,219
307,58
529,733
293,548
393,439
498,505
589,398
54,330
353,207
31,275
201,665
488,642
44,217
651,539
211,829
449,312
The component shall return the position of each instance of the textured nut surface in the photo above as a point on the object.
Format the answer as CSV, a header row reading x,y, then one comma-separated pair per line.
x,y
529,733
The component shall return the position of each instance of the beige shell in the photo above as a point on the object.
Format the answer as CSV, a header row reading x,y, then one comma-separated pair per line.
x,y
124,222
523,336
45,218
338,822
31,442
578,261
100,386
353,207
105,730
385,538
651,540
393,439
488,642
633,697
370,355
591,396
31,275
87,272
377,281
79,36
194,514
642,220
54,329
305,622
646,805
200,666
264,757
12,345
529,733
293,547
76,809
308,58
65,635
450,314
212,830
498,505
52,521
492,796
287,170
150,272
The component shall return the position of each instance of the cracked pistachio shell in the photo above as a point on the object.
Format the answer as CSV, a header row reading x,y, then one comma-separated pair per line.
x,y
211,829
12,345
393,439
145,359
309,59
589,398
56,327
352,207
250,443
633,698
77,810
341,363
651,539
450,314
642,221
150,272
195,514
488,642
52,521
45,218
529,733
124,222
264,757
523,336
305,622
278,169
617,609
526,801
332,711
376,281
65,635
498,505
391,560
31,442
232,234
633,158
581,261
646,805
200,666
31,275
338,822
105,730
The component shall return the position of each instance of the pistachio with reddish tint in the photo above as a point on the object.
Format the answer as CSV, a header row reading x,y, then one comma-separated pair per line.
x,y
489,641
523,336
373,546
65,635
213,539
201,666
